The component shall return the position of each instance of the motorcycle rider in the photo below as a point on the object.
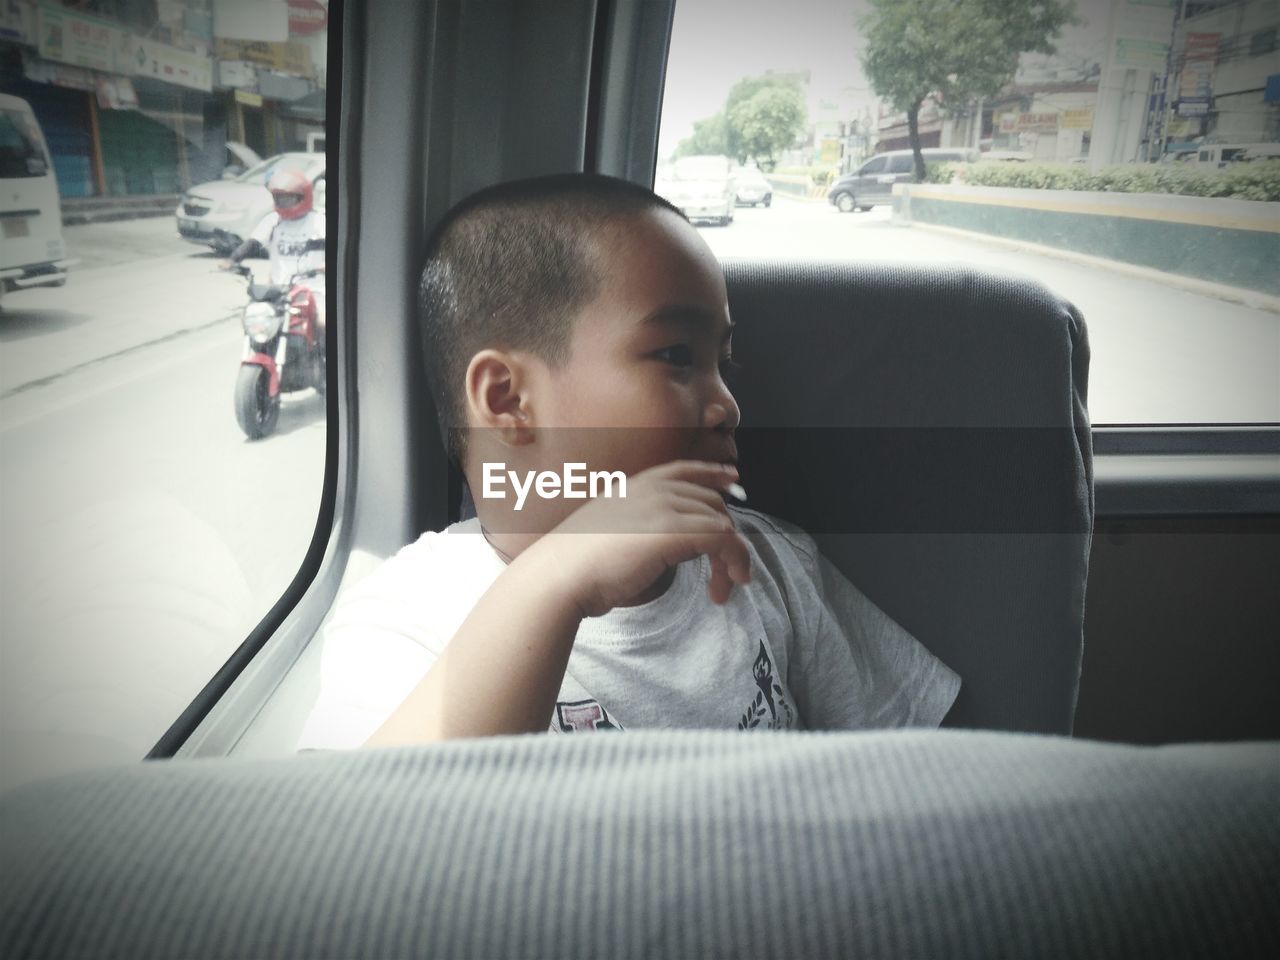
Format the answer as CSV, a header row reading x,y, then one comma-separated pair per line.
x,y
291,236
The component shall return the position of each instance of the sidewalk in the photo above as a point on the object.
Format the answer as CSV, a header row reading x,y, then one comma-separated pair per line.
x,y
80,210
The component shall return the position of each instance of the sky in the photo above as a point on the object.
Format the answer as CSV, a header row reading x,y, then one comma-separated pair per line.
x,y
715,43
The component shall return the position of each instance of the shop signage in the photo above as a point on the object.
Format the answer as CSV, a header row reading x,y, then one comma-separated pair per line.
x,y
17,22
1135,53
1137,27
1199,57
163,62
249,99
79,40
236,73
1078,118
291,58
1037,123
57,74
1194,106
307,16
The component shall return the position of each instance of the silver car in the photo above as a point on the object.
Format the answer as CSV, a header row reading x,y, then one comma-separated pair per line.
x,y
702,187
222,213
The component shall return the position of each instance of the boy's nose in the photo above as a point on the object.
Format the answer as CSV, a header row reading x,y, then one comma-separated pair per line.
x,y
722,414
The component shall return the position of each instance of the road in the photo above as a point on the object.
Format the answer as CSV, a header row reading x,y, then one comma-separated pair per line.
x,y
1159,354
144,536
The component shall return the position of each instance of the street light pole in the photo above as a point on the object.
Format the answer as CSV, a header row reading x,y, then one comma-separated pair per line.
x,y
1162,118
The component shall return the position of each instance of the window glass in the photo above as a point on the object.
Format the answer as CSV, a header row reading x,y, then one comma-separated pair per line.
x,y
20,151
145,533
901,164
876,165
1134,170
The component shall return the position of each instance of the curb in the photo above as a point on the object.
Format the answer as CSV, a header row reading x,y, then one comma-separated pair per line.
x,y
95,210
1246,298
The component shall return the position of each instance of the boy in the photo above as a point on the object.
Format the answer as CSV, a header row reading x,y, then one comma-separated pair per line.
x,y
579,322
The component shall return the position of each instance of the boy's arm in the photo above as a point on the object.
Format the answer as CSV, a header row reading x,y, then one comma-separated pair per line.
x,y
502,670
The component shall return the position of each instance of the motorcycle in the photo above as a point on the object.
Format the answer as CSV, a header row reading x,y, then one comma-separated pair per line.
x,y
283,348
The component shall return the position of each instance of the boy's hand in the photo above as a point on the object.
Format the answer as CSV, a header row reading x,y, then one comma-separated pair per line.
x,y
609,550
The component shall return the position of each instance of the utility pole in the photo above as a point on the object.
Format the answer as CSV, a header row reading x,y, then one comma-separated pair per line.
x,y
1162,105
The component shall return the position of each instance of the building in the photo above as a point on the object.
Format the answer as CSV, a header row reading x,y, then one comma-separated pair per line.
x,y
139,97
1225,76
1048,122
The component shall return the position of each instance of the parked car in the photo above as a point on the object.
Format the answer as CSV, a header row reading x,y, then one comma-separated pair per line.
x,y
1008,156
753,188
32,254
241,158
873,182
222,213
1216,156
702,187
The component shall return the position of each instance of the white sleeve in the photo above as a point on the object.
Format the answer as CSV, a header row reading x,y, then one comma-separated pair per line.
x,y
375,650
855,668
262,232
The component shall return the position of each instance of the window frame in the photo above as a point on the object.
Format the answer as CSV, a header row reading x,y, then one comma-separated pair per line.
x,y
1141,470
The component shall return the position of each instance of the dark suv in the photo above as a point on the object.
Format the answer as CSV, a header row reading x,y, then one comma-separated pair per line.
x,y
873,182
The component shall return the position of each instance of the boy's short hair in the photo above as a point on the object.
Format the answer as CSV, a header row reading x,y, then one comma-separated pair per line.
x,y
510,266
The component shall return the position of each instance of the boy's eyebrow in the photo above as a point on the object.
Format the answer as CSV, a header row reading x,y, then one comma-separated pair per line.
x,y
689,316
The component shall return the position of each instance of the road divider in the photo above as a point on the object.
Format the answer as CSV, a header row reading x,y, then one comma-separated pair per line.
x,y
1233,243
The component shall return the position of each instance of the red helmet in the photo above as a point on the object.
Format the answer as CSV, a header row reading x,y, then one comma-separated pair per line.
x,y
291,191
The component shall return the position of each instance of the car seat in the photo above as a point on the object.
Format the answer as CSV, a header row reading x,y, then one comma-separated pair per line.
x,y
929,427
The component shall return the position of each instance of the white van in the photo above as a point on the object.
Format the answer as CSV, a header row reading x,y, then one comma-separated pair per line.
x,y
1216,156
33,253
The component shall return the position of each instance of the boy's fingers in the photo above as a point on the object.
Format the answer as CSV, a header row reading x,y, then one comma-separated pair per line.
x,y
708,473
720,585
692,495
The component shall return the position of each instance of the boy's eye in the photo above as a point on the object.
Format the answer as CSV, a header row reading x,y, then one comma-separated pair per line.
x,y
679,355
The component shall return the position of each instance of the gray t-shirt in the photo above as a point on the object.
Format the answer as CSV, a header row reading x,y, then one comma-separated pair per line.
x,y
799,647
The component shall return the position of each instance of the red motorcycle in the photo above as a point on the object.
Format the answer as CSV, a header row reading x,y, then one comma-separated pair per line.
x,y
283,348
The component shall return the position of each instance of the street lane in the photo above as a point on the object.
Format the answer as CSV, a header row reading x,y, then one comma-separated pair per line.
x,y
144,535
1159,354
136,283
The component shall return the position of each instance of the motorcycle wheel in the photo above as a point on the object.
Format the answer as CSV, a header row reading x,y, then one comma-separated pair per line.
x,y
319,374
255,411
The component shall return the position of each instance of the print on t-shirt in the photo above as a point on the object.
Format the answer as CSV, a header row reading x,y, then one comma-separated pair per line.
x,y
770,703
581,716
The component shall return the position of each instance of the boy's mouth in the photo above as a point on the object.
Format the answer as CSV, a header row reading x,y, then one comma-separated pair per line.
x,y
726,454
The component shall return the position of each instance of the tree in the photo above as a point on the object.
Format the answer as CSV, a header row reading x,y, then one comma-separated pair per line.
x,y
765,113
956,50
710,136
761,116
766,123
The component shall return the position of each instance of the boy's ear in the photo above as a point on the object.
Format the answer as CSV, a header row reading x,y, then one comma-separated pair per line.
x,y
498,396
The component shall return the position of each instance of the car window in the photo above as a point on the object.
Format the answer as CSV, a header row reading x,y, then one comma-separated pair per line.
x,y
1172,265
20,153
901,164
701,168
146,534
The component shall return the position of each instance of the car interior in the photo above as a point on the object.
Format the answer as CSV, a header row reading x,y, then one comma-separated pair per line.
x,y
1105,785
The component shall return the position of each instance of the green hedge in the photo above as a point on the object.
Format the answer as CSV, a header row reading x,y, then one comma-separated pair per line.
x,y
1259,180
